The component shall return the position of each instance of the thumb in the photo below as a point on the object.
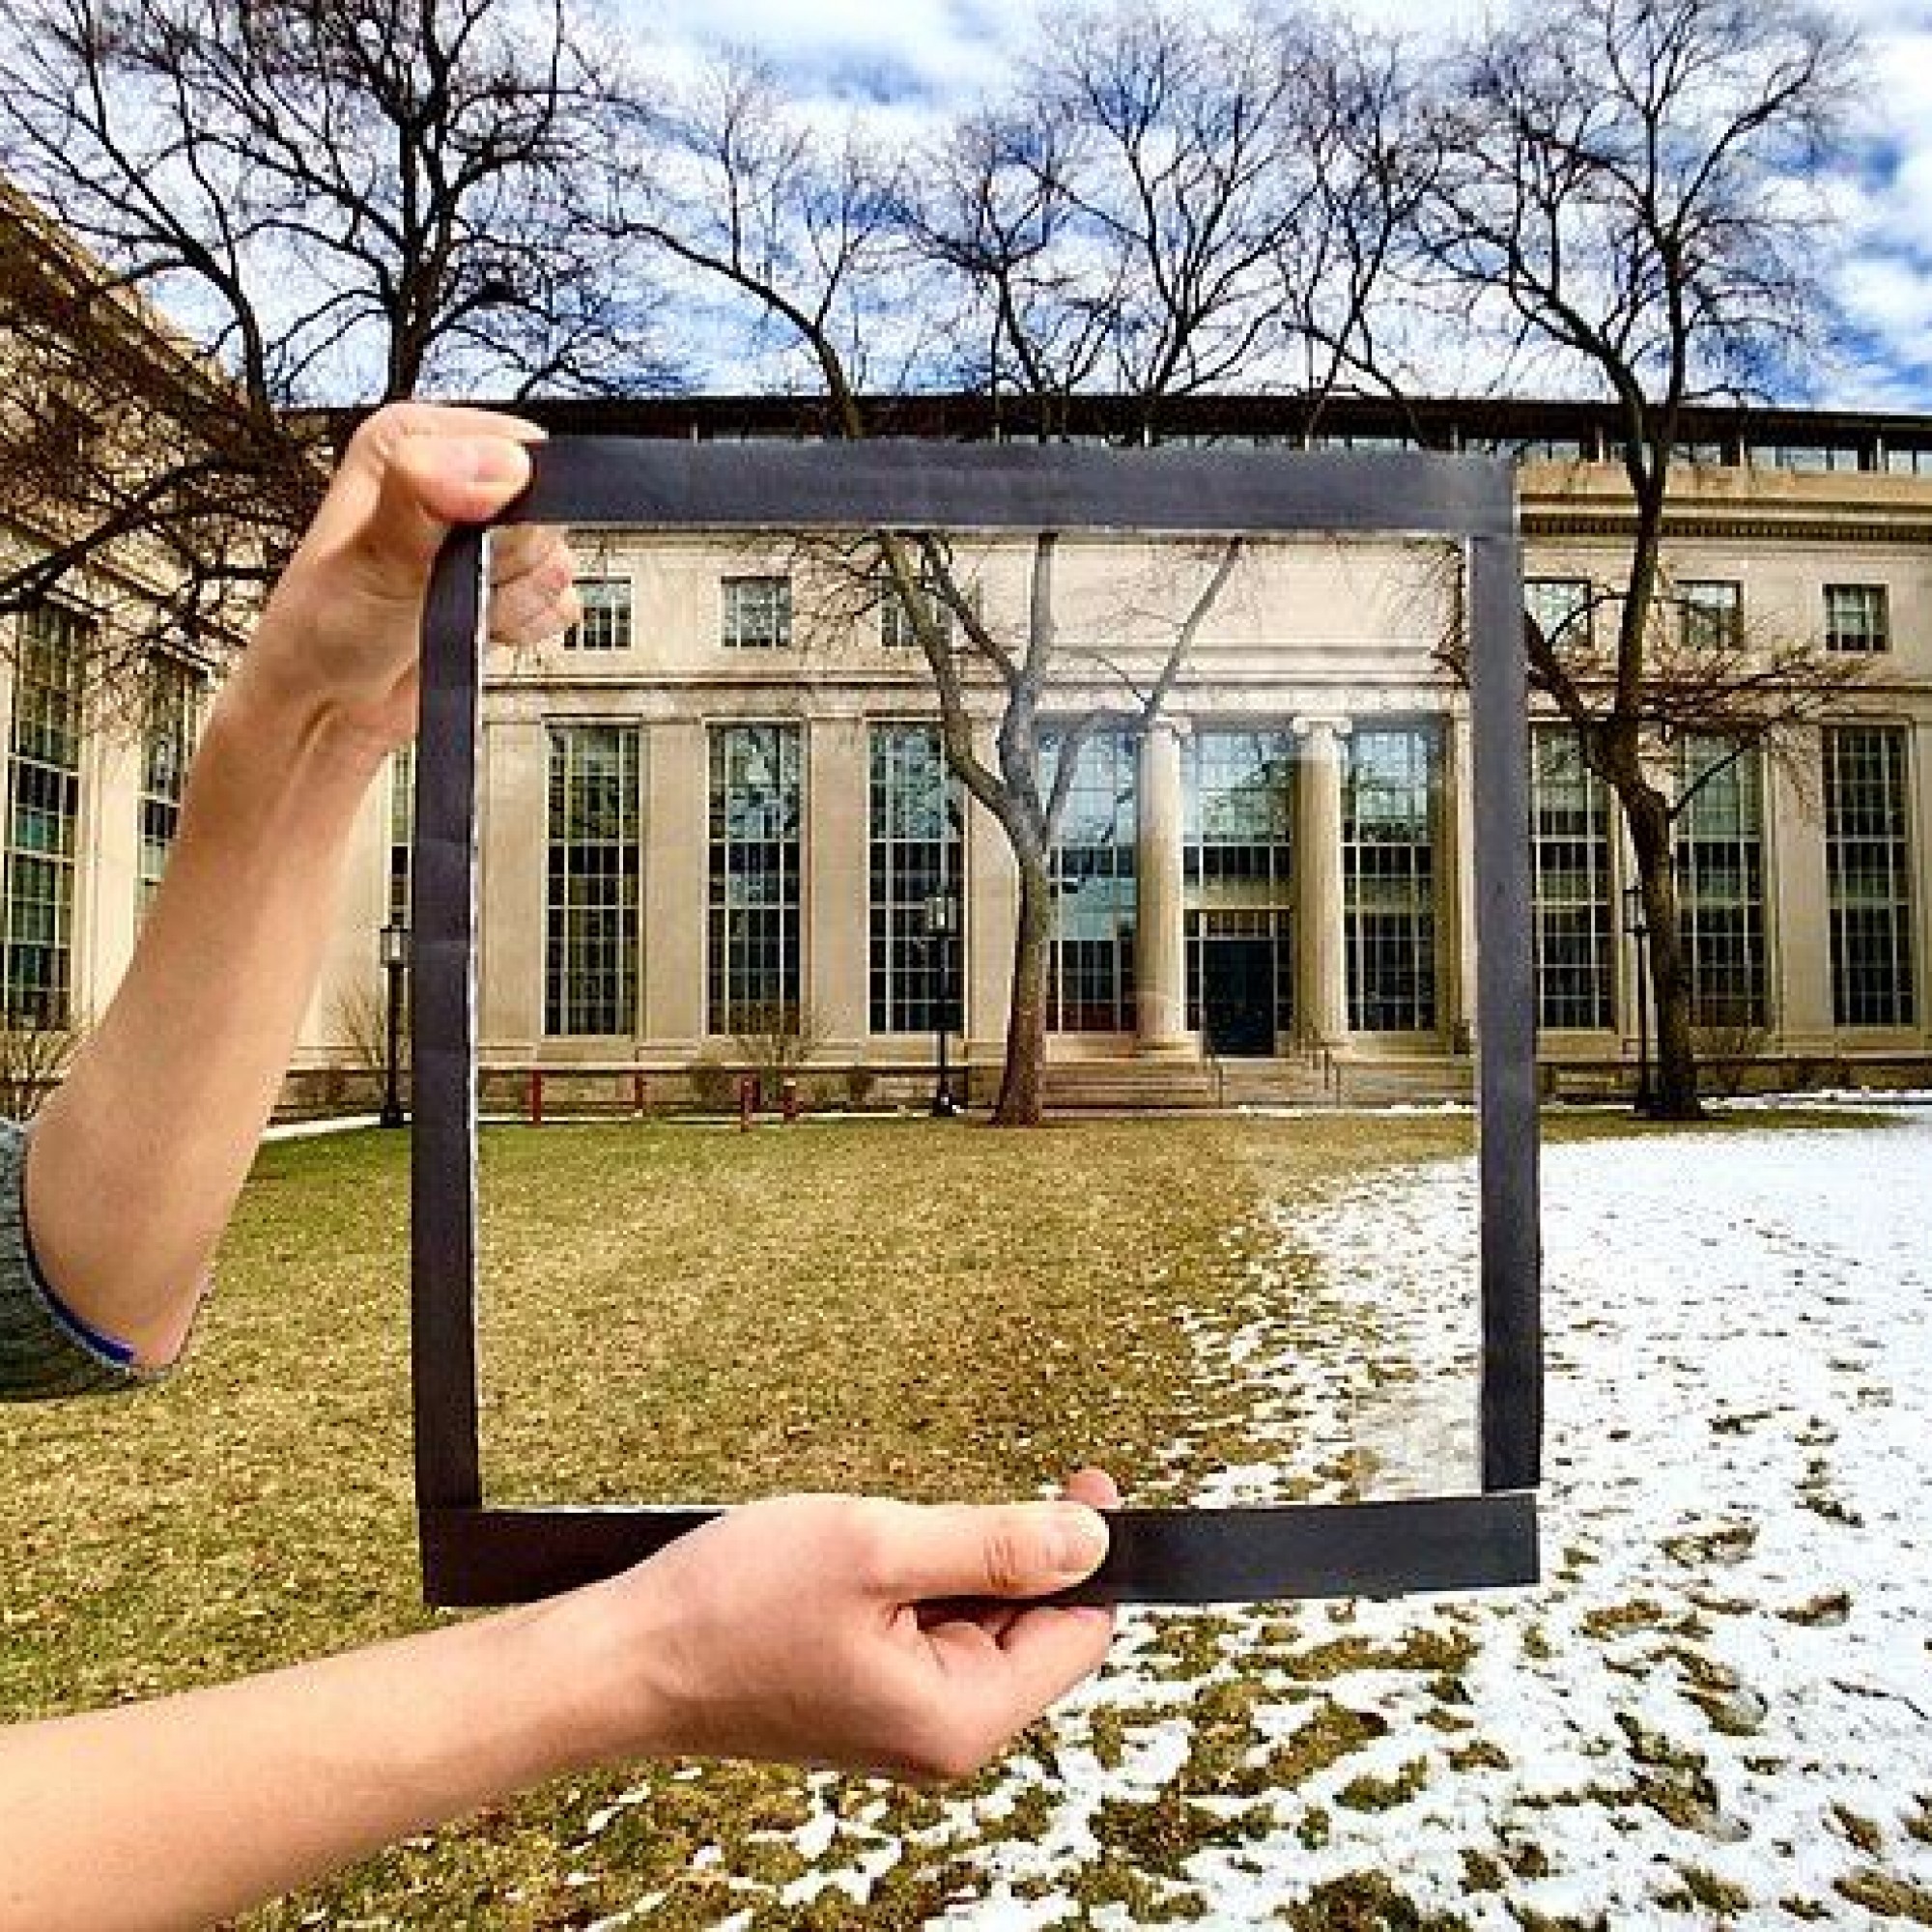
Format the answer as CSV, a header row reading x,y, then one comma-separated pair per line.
x,y
431,482
1009,1550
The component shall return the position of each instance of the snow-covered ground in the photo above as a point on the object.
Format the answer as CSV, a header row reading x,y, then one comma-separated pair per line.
x,y
1717,1710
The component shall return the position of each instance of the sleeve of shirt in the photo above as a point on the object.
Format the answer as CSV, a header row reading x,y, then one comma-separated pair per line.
x,y
46,1350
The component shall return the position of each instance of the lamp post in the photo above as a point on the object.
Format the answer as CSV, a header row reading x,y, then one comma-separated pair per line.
x,y
396,963
940,925
1638,929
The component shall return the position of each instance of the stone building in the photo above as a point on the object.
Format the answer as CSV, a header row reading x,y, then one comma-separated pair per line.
x,y
94,774
720,801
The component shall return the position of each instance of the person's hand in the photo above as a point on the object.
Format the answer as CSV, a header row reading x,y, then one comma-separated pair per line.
x,y
340,641
842,1632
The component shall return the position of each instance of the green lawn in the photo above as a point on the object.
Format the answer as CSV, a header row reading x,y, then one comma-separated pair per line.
x,y
668,1310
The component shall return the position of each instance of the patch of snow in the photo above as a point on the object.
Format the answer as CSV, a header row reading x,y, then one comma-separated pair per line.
x,y
1725,1681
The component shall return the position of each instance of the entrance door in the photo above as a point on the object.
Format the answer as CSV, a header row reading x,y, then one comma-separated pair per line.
x,y
1238,996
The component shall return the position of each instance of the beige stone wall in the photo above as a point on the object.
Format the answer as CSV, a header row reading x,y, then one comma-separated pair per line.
x,y
1330,634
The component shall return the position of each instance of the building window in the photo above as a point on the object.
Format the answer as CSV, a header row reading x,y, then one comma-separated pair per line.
x,y
1719,858
1391,799
1908,461
1712,616
1561,608
1240,860
1570,827
757,811
917,814
43,794
605,624
1091,983
1806,456
590,919
896,629
1868,862
1857,618
758,613
167,744
402,828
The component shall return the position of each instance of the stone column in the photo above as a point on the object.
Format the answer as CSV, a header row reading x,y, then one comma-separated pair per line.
x,y
838,821
1322,948
513,834
1799,905
1160,944
677,792
102,931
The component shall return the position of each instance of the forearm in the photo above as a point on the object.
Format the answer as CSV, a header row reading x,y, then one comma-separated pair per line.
x,y
137,1159
187,1810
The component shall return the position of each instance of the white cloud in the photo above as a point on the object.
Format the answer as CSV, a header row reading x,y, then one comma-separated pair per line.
x,y
923,55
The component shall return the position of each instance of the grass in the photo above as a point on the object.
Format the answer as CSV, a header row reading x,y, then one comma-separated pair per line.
x,y
667,1311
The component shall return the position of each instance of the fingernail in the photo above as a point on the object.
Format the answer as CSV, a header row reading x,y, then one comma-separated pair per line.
x,y
487,459
1079,1539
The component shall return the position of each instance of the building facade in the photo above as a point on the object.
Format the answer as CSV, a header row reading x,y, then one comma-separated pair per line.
x,y
719,810
95,776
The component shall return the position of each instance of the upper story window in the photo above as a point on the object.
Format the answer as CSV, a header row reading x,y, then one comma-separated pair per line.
x,y
898,631
605,624
1713,615
1811,456
1560,607
756,613
1857,618
1907,462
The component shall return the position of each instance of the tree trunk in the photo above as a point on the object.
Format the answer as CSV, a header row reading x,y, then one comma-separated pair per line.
x,y
1023,1080
1674,1087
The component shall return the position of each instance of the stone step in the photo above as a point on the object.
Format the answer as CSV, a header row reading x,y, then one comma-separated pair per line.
x,y
1118,1084
1110,1085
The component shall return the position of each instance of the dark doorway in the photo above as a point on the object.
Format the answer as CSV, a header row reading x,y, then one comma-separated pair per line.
x,y
1238,996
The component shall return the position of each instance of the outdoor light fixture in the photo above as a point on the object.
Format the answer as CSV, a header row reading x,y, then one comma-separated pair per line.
x,y
395,953
1638,929
476,1553
940,926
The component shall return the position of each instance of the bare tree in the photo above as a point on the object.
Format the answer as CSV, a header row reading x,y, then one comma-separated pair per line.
x,y
332,197
1122,227
1624,182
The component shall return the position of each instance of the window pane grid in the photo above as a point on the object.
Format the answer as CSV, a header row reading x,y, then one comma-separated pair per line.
x,y
756,613
167,744
37,961
1719,860
1091,980
590,964
1561,608
1712,616
1390,806
916,819
1868,862
1855,617
1571,829
896,630
605,624
402,828
1240,856
757,796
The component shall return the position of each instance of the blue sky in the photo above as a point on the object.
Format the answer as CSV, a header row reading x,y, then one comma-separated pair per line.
x,y
918,56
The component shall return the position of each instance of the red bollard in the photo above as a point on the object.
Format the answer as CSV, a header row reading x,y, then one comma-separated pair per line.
x,y
747,1090
788,1102
536,1098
